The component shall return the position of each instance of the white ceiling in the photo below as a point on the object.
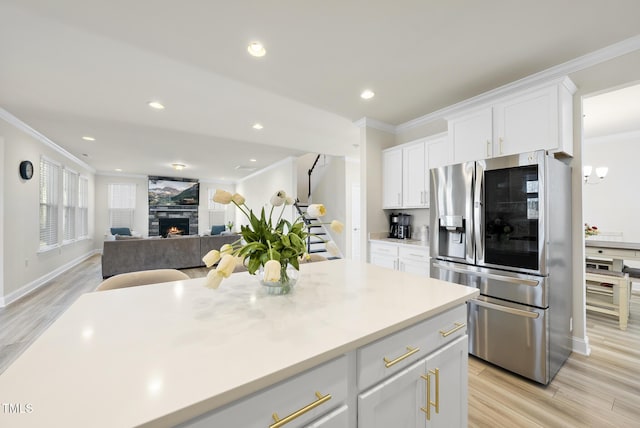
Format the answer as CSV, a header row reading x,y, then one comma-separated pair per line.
x,y
71,68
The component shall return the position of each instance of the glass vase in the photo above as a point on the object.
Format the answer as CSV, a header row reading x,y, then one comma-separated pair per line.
x,y
288,278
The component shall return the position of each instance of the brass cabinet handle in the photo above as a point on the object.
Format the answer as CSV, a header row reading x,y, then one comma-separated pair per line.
x,y
458,326
501,145
281,422
410,352
436,404
488,148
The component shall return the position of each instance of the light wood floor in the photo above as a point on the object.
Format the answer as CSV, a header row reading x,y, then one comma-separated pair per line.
x,y
602,390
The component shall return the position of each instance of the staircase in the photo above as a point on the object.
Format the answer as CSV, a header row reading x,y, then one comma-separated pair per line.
x,y
317,233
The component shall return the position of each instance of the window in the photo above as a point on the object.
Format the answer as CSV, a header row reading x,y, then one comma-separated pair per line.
x,y
83,207
69,204
216,211
122,204
49,173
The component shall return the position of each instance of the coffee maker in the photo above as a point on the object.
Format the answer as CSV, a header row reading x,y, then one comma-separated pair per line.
x,y
404,226
400,226
393,228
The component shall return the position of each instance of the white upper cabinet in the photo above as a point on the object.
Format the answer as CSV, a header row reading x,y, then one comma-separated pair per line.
x,y
415,176
539,118
392,178
439,152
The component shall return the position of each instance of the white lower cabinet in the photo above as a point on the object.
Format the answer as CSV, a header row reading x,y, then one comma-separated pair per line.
x,y
386,383
296,402
412,259
429,393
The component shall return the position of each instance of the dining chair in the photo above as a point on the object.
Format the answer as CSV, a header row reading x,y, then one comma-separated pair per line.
x,y
143,277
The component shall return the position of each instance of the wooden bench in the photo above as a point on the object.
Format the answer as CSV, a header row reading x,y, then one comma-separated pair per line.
x,y
601,283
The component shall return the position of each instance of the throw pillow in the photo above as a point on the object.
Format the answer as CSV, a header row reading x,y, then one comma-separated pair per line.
x,y
121,231
217,229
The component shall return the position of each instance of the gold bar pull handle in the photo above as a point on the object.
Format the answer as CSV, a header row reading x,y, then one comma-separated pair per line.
x,y
281,422
427,407
436,404
488,148
501,141
436,372
410,352
458,326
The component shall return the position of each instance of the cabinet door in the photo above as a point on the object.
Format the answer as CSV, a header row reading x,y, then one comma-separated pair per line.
x,y
414,191
414,267
525,123
446,370
439,154
471,136
392,178
394,402
389,262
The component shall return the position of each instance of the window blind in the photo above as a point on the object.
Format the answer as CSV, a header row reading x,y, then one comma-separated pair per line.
x,y
122,204
69,204
49,173
83,207
217,212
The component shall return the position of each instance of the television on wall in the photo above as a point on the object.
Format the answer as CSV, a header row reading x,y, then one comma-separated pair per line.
x,y
169,192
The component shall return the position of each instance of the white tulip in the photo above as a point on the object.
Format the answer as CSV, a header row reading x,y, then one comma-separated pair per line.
x,y
272,271
226,266
337,226
316,210
289,200
333,249
211,258
213,279
238,198
279,198
226,249
222,197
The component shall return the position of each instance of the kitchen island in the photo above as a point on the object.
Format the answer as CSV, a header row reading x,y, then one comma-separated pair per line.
x,y
348,335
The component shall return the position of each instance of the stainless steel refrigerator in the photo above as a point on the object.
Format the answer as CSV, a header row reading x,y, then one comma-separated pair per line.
x,y
503,225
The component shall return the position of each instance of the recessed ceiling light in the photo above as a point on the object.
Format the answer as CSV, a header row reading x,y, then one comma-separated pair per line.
x,y
253,160
178,166
367,94
257,126
156,105
119,169
256,49
88,138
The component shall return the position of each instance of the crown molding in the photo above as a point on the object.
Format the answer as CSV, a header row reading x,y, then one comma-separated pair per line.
x,y
367,122
12,120
629,135
547,76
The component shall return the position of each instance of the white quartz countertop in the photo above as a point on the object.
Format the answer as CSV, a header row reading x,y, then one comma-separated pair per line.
x,y
403,242
160,354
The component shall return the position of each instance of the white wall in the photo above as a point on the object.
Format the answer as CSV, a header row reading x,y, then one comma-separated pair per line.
x,y
25,268
612,204
259,187
2,240
374,219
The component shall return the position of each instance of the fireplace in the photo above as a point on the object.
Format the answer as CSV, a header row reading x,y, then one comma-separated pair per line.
x,y
173,226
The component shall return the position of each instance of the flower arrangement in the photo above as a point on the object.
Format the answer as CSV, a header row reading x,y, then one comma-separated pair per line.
x,y
272,245
590,230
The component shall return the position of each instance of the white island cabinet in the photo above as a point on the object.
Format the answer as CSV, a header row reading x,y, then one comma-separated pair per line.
x,y
179,354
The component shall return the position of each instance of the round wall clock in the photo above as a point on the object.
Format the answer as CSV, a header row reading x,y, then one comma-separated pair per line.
x,y
26,170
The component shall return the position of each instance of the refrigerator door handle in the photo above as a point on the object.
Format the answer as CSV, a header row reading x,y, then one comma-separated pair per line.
x,y
513,311
478,212
524,281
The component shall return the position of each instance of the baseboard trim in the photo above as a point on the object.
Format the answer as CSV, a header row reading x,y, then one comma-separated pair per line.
x,y
39,282
581,346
